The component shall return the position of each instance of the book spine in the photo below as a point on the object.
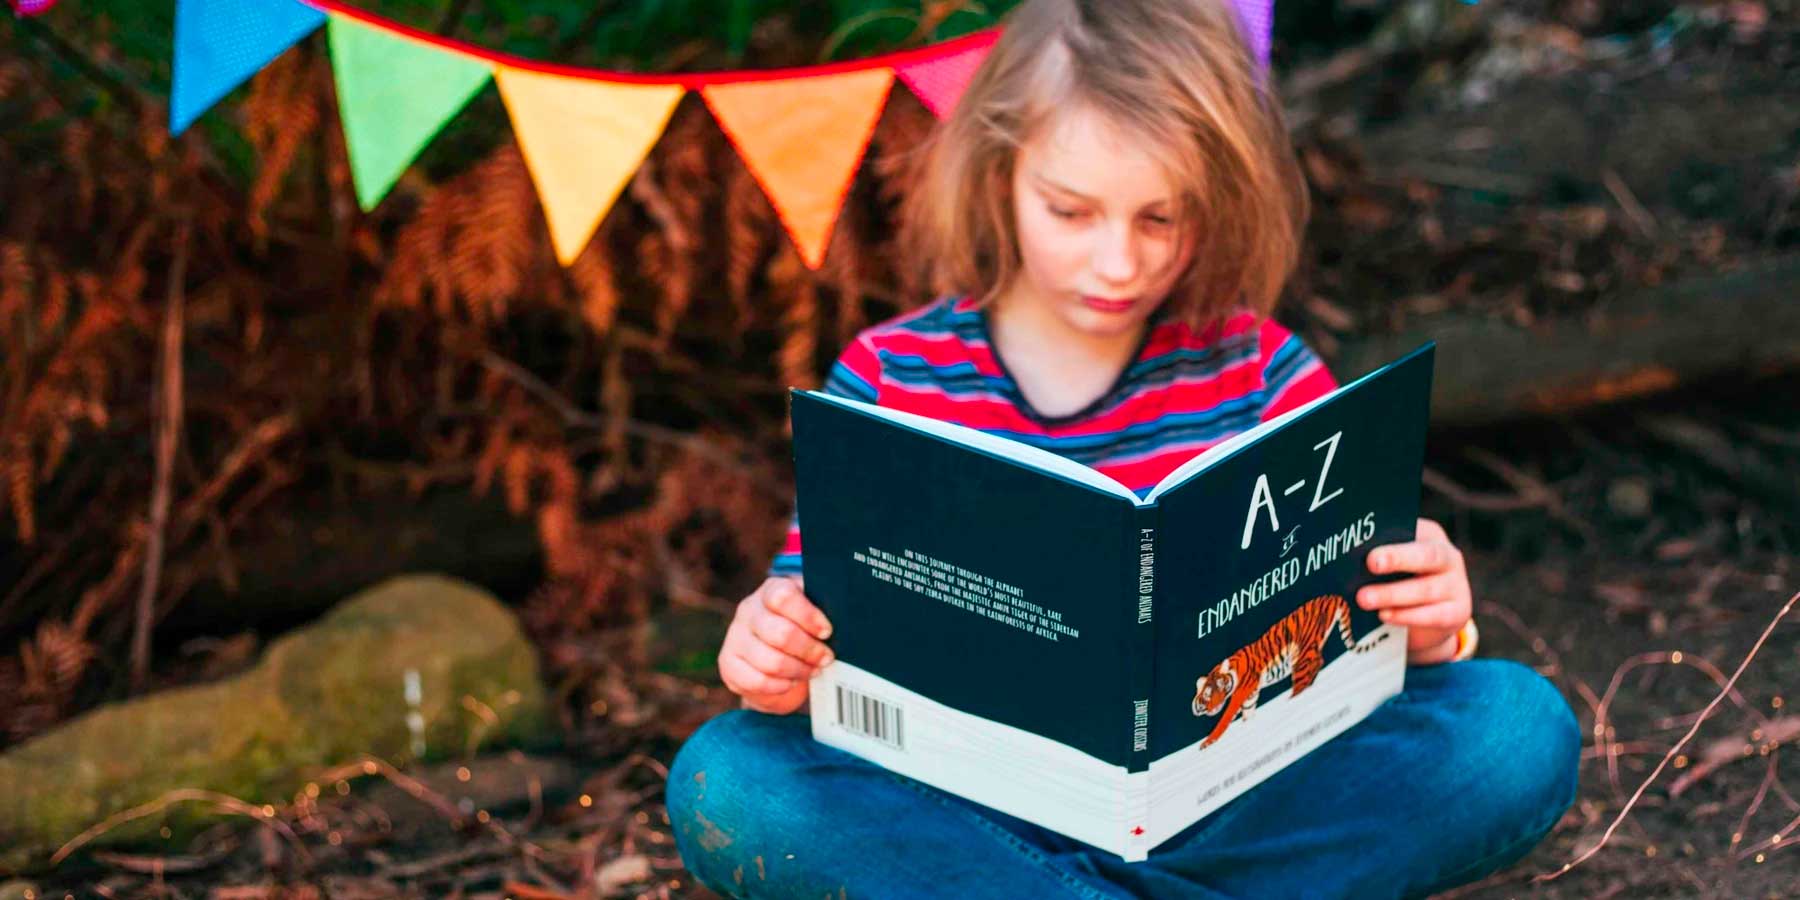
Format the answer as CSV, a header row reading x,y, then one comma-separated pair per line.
x,y
1140,647
1140,671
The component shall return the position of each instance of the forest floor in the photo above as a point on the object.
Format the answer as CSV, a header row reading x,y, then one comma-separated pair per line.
x,y
1633,571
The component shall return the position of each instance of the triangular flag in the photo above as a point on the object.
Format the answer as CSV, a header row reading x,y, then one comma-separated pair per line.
x,y
582,139
939,81
1259,19
394,94
219,43
802,138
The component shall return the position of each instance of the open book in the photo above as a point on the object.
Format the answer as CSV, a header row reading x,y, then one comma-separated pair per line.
x,y
1023,631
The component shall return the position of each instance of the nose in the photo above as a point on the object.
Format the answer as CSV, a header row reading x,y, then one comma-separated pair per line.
x,y
1116,256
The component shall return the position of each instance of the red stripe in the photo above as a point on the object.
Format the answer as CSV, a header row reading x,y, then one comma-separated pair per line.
x,y
691,81
1301,391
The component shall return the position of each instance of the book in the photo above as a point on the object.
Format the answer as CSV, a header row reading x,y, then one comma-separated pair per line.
x,y
1021,630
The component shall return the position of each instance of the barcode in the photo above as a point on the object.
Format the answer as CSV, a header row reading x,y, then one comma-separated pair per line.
x,y
870,717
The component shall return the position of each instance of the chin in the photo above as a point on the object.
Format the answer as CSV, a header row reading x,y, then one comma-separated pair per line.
x,y
1098,324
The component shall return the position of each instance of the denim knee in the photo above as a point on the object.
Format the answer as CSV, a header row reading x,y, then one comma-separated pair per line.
x,y
1515,764
1533,738
713,786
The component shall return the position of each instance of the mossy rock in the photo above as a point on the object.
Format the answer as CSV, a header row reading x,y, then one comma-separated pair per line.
x,y
324,695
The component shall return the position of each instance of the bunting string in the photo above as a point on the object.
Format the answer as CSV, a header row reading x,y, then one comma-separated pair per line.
x,y
802,131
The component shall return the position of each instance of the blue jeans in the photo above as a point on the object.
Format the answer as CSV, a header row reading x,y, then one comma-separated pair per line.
x,y
1455,778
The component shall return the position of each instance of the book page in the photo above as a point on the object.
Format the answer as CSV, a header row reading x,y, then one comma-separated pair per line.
x,y
1006,448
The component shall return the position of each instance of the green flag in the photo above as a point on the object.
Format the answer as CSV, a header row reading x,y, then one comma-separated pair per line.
x,y
394,94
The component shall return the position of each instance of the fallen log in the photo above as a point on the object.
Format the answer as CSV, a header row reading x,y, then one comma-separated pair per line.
x,y
1746,321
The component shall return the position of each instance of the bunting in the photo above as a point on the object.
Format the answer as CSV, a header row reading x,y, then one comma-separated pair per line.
x,y
583,132
1259,19
803,138
939,81
220,43
394,94
31,7
582,140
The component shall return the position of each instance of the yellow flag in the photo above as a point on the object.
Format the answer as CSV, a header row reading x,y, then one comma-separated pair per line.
x,y
582,140
803,138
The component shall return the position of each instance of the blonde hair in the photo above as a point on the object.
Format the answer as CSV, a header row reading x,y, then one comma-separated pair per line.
x,y
1176,74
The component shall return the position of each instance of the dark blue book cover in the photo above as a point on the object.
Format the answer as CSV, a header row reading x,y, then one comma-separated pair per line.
x,y
1018,629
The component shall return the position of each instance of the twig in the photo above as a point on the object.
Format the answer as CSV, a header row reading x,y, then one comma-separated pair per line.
x,y
1713,449
168,436
1762,792
80,61
1464,497
1529,485
1725,751
1626,810
656,202
1635,211
572,415
221,801
1465,177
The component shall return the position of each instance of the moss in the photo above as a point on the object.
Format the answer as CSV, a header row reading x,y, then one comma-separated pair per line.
x,y
321,696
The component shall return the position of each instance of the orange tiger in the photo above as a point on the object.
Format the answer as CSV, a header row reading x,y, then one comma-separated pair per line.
x,y
1295,645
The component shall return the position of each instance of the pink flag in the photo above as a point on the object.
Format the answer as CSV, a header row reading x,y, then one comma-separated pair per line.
x,y
939,81
31,7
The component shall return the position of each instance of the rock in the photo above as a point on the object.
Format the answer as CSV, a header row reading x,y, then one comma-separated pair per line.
x,y
415,668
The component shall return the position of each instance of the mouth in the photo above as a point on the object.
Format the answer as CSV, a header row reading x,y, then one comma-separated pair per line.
x,y
1107,304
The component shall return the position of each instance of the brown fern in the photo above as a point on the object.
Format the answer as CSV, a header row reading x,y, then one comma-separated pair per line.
x,y
281,114
596,289
790,279
750,227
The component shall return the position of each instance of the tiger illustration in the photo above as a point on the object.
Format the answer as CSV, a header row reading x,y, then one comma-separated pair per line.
x,y
1295,645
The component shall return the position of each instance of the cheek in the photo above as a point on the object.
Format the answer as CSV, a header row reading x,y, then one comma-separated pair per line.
x,y
1051,250
1164,258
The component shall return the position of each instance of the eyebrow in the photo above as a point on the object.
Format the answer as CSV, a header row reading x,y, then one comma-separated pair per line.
x,y
1046,182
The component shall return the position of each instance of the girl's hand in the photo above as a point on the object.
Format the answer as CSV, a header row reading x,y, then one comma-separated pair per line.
x,y
773,647
1433,604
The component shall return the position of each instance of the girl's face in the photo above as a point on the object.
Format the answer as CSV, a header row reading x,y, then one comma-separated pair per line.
x,y
1098,245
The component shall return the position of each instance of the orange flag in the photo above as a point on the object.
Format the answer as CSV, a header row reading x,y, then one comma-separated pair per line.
x,y
582,140
803,138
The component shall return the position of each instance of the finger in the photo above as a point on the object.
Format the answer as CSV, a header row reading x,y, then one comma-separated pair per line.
x,y
1423,557
778,704
745,681
1430,530
1447,615
782,634
1409,592
786,600
773,662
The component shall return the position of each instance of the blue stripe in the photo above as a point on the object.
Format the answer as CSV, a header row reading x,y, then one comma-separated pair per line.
x,y
1287,359
844,382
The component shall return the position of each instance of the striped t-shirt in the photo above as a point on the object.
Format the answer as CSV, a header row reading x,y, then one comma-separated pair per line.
x,y
1184,390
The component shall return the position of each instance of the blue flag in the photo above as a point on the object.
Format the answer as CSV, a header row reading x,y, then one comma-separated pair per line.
x,y
220,43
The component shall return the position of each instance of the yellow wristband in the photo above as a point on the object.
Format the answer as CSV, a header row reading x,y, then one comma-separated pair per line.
x,y
1466,638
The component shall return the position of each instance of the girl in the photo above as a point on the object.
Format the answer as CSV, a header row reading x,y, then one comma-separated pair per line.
x,y
1111,212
